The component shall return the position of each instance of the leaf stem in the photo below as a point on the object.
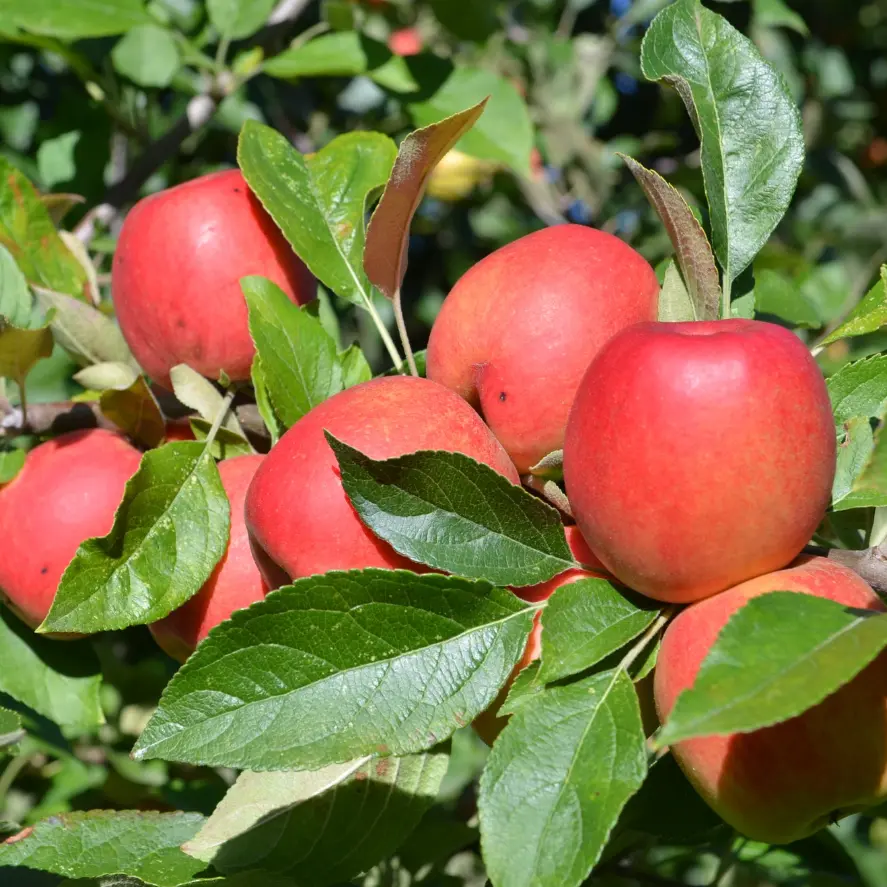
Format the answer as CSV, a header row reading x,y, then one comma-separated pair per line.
x,y
220,416
9,775
387,341
402,329
646,637
726,288
23,401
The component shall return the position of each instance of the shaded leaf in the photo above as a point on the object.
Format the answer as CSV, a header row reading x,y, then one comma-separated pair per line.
x,y
585,621
20,349
109,842
454,514
320,826
355,368
691,246
339,666
197,392
749,127
235,19
15,297
545,818
11,732
868,316
675,303
385,258
263,402
26,229
777,14
11,463
778,295
169,533
319,202
862,463
148,55
59,680
777,656
135,411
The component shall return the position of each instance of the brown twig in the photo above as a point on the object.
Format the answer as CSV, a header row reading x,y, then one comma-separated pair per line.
x,y
869,563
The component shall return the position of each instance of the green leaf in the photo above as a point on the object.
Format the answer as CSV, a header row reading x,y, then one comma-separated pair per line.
x,y
11,732
20,349
235,19
385,259
169,533
454,514
363,663
780,296
862,458
503,135
73,21
355,368
749,127
148,55
319,202
545,817
144,845
854,453
868,316
300,363
58,679
27,231
691,246
320,826
344,54
776,14
87,334
263,402
777,656
11,463
15,297
587,620
55,159
859,389
675,302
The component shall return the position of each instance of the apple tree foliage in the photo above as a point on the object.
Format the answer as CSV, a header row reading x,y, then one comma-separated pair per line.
x,y
734,144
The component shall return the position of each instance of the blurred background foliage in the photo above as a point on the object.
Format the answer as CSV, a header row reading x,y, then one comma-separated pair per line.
x,y
78,116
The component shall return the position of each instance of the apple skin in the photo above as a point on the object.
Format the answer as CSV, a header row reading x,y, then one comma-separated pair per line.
x,y
67,492
177,269
785,782
405,42
488,725
518,330
178,429
699,455
299,517
235,583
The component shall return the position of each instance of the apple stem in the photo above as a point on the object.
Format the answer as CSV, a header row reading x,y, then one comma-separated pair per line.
x,y
387,341
402,329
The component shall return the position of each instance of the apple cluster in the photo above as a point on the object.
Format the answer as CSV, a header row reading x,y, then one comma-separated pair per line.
x,y
698,460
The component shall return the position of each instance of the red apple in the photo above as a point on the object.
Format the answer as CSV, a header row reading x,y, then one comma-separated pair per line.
x,y
235,583
699,455
177,270
405,42
518,330
488,725
784,782
67,492
299,517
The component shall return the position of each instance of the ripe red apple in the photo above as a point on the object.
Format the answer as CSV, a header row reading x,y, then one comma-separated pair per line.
x,y
235,583
488,725
518,330
782,783
299,517
177,269
699,455
405,42
67,492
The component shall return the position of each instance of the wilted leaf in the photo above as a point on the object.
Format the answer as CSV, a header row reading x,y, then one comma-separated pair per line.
x,y
385,258
109,842
135,411
691,246
20,349
59,680
545,818
320,826
339,666
777,656
749,127
169,533
454,514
